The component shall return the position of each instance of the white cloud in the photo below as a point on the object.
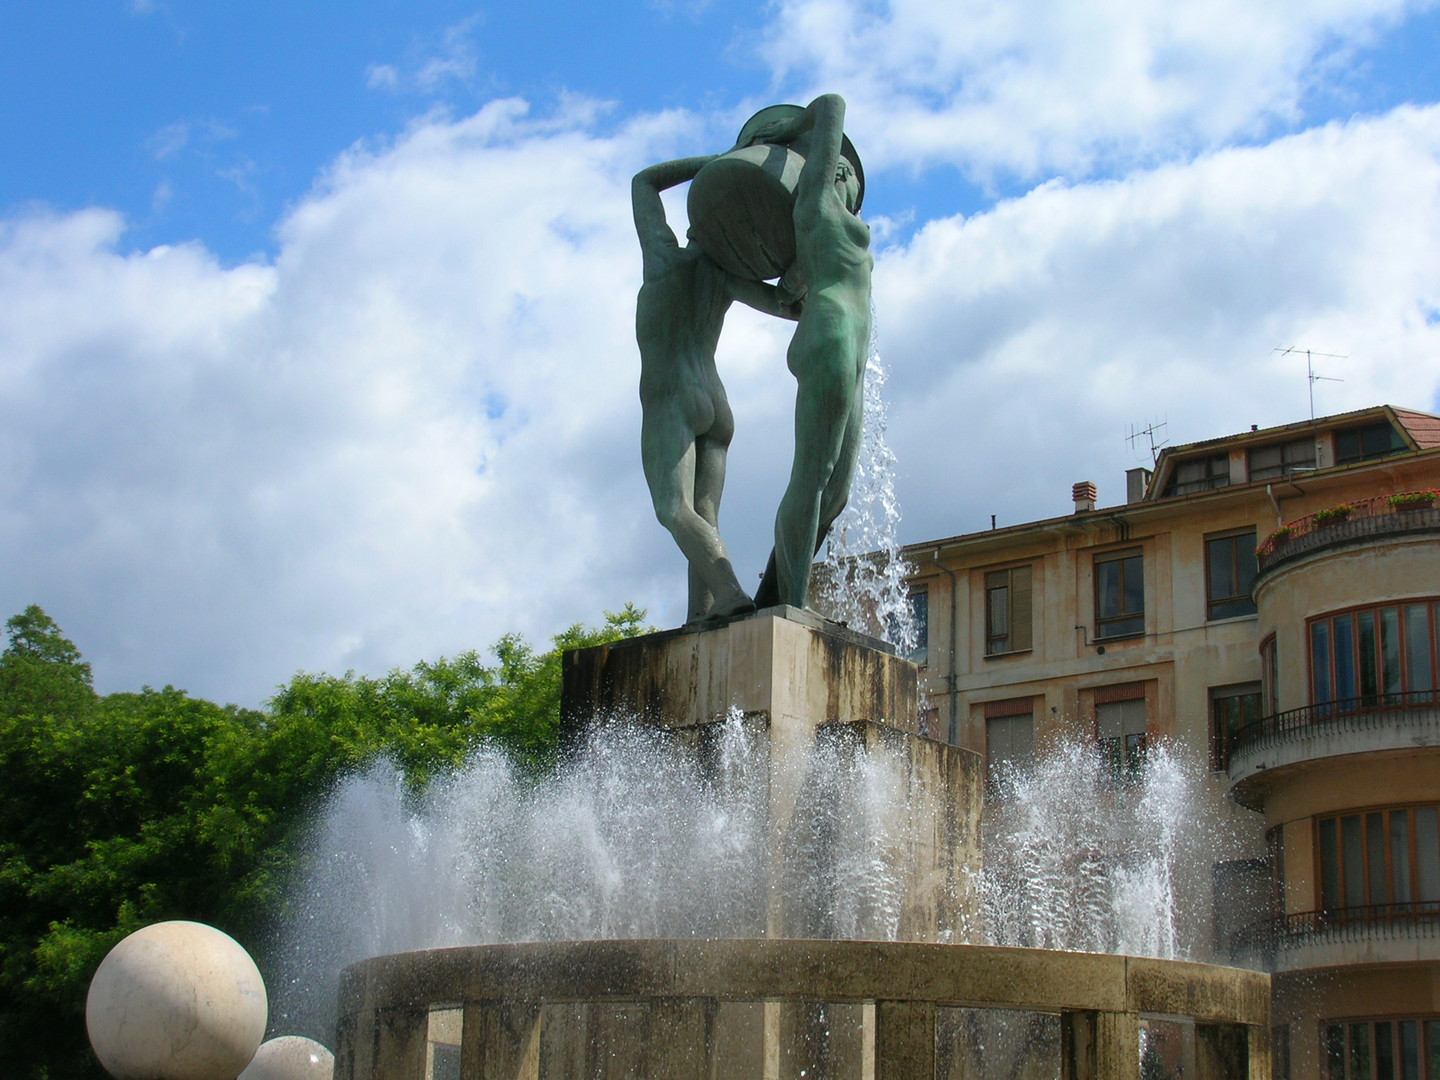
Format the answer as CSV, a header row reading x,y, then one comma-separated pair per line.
x,y
417,428
413,432
382,77
1024,342
169,141
1038,86
433,64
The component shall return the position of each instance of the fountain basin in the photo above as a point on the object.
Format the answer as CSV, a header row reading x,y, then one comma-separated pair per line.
x,y
777,1008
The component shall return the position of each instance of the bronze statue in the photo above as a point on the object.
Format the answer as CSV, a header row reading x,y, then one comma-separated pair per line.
x,y
687,424
783,203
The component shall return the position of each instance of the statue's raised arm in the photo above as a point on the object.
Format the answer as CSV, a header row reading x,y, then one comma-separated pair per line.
x,y
831,345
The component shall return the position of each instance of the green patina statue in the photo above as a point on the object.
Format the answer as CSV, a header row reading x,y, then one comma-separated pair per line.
x,y
786,159
687,424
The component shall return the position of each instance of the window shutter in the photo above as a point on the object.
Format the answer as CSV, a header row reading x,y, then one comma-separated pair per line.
x,y
1020,618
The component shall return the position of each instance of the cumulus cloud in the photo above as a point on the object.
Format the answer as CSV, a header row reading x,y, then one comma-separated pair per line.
x,y
1039,86
416,427
411,433
1025,342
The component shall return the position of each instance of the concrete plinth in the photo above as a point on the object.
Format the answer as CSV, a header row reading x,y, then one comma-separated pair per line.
x,y
789,665
874,830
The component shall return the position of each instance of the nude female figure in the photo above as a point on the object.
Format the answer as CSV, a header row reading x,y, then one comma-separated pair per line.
x,y
686,422
831,345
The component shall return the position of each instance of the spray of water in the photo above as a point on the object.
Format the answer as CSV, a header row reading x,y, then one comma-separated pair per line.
x,y
1078,857
641,835
863,580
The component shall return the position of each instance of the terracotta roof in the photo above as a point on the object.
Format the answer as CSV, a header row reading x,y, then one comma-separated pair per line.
x,y
1423,428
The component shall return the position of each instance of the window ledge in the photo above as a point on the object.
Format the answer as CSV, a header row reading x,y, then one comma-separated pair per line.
x,y
1235,618
1012,652
1117,637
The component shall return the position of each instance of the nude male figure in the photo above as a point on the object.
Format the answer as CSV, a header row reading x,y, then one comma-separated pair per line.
x,y
686,422
827,356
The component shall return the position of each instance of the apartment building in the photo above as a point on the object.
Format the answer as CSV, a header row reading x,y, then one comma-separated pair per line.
x,y
1271,600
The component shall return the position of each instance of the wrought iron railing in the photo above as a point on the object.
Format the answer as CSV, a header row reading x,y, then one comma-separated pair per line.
x,y
1372,922
1353,714
1356,520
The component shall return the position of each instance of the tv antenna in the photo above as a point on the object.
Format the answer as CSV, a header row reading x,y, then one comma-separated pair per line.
x,y
1310,369
1149,431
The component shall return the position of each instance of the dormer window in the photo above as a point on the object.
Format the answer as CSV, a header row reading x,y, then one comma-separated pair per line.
x,y
1367,443
1282,459
1199,474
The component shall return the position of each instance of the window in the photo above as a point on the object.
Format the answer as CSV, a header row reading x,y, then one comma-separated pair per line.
x,y
1269,676
1119,594
1231,708
1120,726
1370,656
919,606
920,616
1393,1048
1280,1052
1229,574
1275,856
1199,474
1380,857
1007,611
1366,443
1009,739
1282,459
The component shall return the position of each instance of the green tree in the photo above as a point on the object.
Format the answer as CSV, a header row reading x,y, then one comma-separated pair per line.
x,y
41,670
431,718
132,808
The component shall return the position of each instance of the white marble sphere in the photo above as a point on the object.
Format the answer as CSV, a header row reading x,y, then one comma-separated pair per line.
x,y
290,1057
176,1001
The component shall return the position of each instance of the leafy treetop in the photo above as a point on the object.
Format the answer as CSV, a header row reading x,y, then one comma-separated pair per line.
x,y
126,809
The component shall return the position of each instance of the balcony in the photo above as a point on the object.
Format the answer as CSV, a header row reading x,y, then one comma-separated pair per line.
x,y
1377,934
1355,726
1353,524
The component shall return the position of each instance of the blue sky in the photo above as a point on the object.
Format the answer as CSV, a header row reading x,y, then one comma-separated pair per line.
x,y
204,121
315,321
236,108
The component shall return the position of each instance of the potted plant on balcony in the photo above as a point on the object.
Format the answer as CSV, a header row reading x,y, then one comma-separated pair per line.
x,y
1333,515
1413,500
1274,540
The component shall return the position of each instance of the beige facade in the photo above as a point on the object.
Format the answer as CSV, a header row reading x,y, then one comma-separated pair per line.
x,y
1156,618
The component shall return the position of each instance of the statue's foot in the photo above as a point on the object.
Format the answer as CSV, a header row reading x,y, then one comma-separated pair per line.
x,y
728,609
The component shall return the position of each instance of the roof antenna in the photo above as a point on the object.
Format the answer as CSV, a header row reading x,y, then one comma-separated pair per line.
x,y
1149,431
1310,369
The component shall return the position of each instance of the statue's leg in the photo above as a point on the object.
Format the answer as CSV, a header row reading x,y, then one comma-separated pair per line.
x,y
768,594
822,408
710,453
669,452
837,489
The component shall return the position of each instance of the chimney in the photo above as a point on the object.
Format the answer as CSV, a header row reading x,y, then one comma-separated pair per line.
x,y
1084,493
1136,481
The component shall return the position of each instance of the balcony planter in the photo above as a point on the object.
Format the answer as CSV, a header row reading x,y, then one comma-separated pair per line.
x,y
1413,500
1274,540
1333,515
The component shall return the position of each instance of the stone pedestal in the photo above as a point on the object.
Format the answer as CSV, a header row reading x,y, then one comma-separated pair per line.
x,y
873,828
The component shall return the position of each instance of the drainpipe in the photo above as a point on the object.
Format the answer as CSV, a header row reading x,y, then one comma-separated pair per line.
x,y
1279,518
950,681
